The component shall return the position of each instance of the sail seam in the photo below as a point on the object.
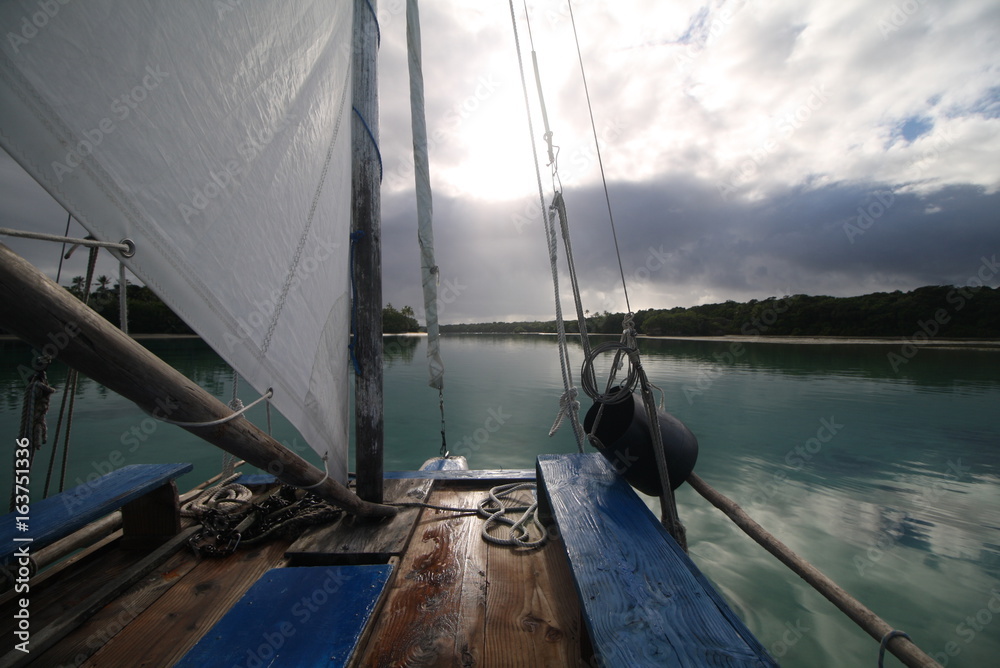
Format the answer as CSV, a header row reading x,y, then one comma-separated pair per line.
x,y
290,276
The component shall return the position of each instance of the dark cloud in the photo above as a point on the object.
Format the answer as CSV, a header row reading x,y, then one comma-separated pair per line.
x,y
751,149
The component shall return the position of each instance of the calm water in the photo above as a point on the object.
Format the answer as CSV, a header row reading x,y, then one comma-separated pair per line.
x,y
886,481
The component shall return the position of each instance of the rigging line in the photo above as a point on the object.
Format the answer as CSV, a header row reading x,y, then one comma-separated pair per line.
x,y
541,97
600,162
125,246
69,219
550,236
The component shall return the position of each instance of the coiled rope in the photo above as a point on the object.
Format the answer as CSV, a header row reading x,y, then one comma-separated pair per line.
x,y
493,510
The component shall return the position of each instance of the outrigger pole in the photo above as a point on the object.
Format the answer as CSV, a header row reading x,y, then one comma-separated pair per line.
x,y
48,317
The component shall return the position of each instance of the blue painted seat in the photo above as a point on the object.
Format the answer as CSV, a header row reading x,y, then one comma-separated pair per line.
x,y
644,602
59,515
305,616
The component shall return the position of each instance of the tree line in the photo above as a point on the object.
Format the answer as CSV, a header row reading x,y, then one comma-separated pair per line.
x,y
941,310
945,310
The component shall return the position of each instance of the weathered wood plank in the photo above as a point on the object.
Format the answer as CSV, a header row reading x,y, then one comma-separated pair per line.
x,y
350,539
51,634
644,601
151,519
532,615
104,625
435,611
168,628
312,616
64,513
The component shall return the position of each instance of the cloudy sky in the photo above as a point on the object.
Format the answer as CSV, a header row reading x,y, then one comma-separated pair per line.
x,y
751,149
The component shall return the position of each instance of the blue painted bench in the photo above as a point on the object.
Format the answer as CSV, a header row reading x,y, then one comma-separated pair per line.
x,y
304,616
146,494
644,602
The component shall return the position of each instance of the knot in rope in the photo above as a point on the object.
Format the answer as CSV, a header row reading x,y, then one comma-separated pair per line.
x,y
569,407
36,406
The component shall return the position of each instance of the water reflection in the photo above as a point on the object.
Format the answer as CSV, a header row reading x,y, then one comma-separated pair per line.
x,y
889,483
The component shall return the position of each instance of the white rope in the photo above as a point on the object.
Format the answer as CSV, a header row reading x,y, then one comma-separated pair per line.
x,y
266,395
122,299
326,476
227,497
551,239
494,511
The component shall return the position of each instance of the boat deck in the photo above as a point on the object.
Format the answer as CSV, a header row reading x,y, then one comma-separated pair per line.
x,y
453,599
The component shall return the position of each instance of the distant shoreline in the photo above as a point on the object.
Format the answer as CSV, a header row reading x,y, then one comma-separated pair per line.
x,y
986,344
990,344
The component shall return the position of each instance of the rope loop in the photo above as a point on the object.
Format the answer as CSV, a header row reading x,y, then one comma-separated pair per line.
x,y
589,381
492,509
885,643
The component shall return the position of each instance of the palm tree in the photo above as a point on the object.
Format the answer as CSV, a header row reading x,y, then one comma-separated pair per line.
x,y
102,283
76,285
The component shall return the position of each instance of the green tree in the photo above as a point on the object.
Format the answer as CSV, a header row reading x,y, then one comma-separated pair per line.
x,y
398,321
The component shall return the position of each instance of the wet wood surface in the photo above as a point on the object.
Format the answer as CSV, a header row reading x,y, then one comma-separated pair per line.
x,y
459,601
357,540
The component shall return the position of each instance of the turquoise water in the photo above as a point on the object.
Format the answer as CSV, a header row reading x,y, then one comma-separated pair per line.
x,y
887,480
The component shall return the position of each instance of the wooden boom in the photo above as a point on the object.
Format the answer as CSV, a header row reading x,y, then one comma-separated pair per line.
x,y
48,317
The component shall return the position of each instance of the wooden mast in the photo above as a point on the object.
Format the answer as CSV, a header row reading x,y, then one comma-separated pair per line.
x,y
45,315
366,175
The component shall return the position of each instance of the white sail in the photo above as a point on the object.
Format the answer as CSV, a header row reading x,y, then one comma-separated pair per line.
x,y
216,136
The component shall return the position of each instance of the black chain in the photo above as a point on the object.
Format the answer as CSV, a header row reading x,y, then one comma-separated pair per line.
x,y
281,513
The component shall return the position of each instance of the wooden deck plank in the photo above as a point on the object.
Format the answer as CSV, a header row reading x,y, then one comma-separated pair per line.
x,y
309,616
166,630
97,631
644,601
438,594
460,601
351,539
532,615
47,637
52,598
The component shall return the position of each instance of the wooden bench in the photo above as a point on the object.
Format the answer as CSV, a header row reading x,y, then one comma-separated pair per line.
x,y
644,602
146,494
306,616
